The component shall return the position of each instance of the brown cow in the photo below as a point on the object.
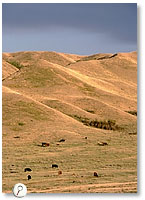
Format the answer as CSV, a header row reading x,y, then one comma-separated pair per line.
x,y
59,172
96,174
44,144
102,143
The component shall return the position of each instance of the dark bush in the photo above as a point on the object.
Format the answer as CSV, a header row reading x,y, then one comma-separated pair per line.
x,y
106,124
132,112
21,124
16,64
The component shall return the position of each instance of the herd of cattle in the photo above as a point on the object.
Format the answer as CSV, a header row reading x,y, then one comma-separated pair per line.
x,y
45,144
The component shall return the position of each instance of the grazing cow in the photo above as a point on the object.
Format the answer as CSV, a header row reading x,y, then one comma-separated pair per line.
x,y
27,169
54,166
62,140
29,177
17,137
134,133
102,143
59,172
95,174
44,144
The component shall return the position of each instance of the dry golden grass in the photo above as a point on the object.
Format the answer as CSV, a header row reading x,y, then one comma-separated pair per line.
x,y
40,104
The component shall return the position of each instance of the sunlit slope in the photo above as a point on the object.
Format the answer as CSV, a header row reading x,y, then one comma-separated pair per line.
x,y
117,75
27,57
107,82
31,119
27,123
86,100
7,69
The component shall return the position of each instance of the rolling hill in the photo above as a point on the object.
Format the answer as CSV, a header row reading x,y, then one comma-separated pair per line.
x,y
86,100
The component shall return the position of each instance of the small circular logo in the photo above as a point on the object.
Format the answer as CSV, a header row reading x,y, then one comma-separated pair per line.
x,y
20,190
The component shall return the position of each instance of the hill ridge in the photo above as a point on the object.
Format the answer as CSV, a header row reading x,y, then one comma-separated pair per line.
x,y
86,113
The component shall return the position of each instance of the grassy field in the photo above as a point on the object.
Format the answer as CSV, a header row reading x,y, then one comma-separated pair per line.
x,y
56,96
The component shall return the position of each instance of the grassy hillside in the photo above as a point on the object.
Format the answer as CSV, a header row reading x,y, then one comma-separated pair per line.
x,y
49,96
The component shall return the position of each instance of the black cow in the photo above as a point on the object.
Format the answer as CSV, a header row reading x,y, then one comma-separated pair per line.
x,y
29,177
27,169
62,140
96,174
54,166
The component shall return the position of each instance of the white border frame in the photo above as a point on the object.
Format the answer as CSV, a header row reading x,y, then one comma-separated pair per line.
x,y
141,108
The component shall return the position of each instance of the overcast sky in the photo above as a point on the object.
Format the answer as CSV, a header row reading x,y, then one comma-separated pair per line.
x,y
71,28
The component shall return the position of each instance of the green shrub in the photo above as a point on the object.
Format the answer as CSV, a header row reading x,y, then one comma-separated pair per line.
x,y
90,111
16,64
106,124
21,124
132,112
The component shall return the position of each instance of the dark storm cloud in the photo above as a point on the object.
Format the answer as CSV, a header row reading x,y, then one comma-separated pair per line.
x,y
117,20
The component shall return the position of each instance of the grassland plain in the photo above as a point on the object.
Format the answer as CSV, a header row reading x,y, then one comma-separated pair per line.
x,y
49,96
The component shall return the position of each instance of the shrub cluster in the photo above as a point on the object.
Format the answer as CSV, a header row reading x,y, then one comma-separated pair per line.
x,y
132,112
16,64
106,124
